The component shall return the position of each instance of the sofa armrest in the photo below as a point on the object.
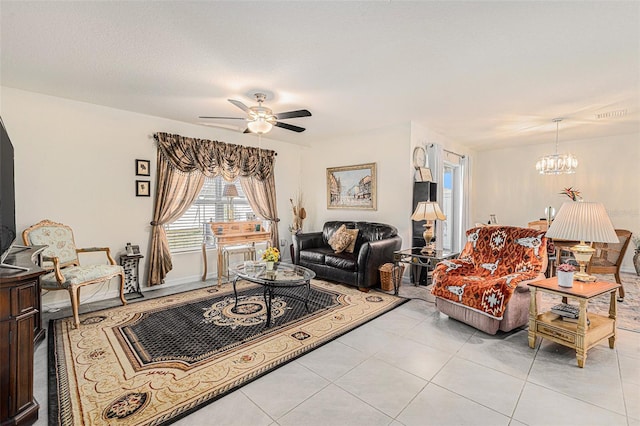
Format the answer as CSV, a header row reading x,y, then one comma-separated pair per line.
x,y
374,254
305,241
523,286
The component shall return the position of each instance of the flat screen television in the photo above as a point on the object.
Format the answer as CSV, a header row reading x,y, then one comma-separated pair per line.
x,y
7,197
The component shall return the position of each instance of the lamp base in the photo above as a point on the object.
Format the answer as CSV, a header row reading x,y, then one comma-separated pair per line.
x,y
428,249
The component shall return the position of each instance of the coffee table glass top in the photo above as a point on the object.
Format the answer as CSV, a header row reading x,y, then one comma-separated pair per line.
x,y
416,253
283,274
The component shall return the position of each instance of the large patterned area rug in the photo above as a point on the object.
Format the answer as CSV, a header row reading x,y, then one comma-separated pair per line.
x,y
155,361
628,315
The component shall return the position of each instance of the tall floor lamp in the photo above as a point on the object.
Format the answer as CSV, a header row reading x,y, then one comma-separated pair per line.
x,y
583,221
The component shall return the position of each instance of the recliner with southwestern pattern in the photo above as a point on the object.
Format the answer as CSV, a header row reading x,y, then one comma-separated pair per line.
x,y
486,287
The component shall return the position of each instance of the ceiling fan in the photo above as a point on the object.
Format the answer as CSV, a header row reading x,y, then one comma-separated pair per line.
x,y
261,119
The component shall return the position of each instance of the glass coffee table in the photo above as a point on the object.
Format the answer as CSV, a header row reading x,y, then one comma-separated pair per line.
x,y
283,275
419,262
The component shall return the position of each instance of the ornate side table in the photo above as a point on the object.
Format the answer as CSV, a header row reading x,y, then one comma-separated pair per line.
x,y
131,266
419,262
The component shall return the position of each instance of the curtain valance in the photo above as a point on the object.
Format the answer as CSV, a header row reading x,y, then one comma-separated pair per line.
x,y
213,158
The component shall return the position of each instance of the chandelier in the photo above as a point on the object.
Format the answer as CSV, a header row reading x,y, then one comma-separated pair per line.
x,y
557,164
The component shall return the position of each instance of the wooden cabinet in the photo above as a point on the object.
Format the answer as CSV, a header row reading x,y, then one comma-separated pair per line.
x,y
19,326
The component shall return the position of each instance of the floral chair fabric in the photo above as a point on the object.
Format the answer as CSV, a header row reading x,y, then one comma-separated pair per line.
x,y
494,260
61,257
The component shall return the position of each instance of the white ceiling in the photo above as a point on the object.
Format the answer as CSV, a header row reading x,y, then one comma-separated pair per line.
x,y
485,74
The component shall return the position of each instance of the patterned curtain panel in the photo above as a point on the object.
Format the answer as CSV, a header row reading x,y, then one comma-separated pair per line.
x,y
183,164
261,195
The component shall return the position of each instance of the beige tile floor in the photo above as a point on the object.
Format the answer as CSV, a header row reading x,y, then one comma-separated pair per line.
x,y
414,366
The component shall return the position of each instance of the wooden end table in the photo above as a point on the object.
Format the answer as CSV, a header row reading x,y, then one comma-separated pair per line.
x,y
580,335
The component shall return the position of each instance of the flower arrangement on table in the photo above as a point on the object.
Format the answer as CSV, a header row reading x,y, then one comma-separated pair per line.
x,y
566,267
636,242
271,254
574,194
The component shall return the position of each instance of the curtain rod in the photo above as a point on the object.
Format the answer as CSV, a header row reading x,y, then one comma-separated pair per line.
x,y
450,152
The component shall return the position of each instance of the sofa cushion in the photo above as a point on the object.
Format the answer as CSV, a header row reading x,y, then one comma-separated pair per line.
x,y
344,261
352,245
340,239
315,255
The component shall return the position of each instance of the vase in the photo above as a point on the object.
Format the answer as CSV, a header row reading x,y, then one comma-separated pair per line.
x,y
565,279
636,262
270,265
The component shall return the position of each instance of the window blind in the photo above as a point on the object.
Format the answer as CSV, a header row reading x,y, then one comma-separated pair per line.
x,y
188,232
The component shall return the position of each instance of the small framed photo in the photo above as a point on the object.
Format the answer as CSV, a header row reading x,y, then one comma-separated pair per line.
x,y
143,188
143,168
424,175
135,249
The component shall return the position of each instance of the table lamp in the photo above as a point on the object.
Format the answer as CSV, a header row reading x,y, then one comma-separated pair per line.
x,y
429,211
583,221
230,191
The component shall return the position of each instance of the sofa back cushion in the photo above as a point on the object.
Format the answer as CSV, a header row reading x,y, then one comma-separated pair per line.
x,y
367,231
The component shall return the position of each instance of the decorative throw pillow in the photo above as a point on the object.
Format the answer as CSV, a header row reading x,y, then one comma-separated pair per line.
x,y
352,245
340,239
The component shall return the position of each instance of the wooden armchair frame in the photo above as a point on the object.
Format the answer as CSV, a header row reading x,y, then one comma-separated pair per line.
x,y
59,268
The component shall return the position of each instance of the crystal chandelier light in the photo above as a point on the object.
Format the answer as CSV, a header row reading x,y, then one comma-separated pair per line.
x,y
557,164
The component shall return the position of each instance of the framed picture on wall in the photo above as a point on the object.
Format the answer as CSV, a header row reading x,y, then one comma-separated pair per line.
x,y
424,175
143,168
143,188
352,187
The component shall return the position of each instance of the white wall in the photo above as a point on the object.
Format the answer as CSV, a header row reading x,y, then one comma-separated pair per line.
x,y
75,165
387,147
507,184
391,148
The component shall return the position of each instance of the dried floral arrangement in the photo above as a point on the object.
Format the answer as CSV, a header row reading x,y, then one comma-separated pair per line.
x,y
299,214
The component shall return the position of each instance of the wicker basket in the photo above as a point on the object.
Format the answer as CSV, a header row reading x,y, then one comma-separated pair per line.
x,y
386,276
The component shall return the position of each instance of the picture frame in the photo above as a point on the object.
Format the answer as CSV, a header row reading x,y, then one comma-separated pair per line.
x,y
143,188
352,187
143,168
423,174
135,249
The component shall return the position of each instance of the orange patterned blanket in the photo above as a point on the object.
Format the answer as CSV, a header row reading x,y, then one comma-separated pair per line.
x,y
494,260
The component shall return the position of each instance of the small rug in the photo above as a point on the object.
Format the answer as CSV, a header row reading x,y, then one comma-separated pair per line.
x,y
152,362
628,316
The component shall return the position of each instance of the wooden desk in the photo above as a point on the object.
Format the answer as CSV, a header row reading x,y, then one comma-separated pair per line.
x,y
578,336
232,234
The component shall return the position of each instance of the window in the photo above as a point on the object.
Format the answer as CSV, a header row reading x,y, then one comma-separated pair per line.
x,y
188,232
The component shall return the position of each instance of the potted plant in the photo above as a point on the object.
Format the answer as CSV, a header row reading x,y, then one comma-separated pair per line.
x,y
636,256
271,255
565,275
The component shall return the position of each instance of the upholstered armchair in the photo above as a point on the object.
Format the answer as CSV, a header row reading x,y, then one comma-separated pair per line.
x,y
486,287
61,258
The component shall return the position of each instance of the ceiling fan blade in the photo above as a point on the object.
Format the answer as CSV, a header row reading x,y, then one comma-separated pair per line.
x,y
293,114
289,127
223,118
240,105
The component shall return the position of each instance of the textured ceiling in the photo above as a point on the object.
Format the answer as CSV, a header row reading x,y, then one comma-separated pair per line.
x,y
484,74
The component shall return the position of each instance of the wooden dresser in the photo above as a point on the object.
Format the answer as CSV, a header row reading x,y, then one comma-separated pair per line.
x,y
19,328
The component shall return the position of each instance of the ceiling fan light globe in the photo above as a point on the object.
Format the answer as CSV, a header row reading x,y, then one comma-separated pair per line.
x,y
260,126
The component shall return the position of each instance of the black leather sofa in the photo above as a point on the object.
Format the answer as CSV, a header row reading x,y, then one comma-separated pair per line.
x,y
374,247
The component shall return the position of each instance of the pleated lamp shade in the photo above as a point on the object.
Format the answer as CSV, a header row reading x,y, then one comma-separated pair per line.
x,y
230,190
583,221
